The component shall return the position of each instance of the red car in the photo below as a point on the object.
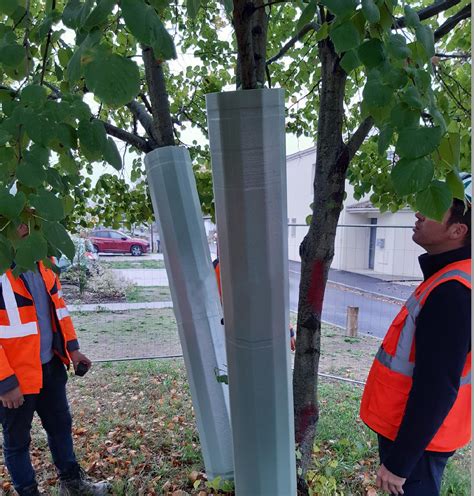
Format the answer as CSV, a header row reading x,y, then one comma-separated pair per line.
x,y
109,241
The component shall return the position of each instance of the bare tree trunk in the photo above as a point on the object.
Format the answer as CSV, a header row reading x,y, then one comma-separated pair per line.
x,y
317,250
250,23
162,123
259,42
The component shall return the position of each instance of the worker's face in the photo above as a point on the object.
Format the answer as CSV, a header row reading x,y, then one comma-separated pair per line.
x,y
438,237
22,230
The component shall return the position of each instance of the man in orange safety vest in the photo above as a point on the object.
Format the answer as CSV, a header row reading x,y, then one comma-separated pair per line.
x,y
418,392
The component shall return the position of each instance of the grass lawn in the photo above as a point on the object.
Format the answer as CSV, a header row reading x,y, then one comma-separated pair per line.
x,y
107,335
136,294
139,433
130,264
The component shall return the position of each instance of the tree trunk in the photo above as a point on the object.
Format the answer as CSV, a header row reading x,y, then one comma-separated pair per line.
x,y
317,250
250,24
162,123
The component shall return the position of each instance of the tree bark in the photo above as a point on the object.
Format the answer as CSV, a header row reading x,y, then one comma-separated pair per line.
x,y
317,250
162,123
250,24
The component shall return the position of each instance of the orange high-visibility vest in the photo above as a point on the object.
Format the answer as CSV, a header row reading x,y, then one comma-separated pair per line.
x,y
19,332
390,378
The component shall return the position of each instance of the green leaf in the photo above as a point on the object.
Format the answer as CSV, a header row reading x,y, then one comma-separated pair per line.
x,y
144,23
438,118
397,46
114,79
412,98
6,253
454,181
371,11
341,8
100,13
30,174
371,53
72,14
12,206
193,8
47,205
8,7
425,36
323,32
350,61
307,15
345,36
5,136
30,250
402,116
449,150
395,77
74,67
385,138
58,237
377,94
411,17
412,176
417,141
434,201
39,129
112,155
34,95
92,139
228,6
12,55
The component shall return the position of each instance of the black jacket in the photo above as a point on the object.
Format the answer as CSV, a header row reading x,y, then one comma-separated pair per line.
x,y
442,341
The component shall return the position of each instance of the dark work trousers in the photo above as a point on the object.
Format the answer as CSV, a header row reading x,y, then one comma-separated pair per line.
x,y
425,480
52,407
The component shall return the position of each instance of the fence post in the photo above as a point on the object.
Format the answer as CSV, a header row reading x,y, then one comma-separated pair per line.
x,y
352,323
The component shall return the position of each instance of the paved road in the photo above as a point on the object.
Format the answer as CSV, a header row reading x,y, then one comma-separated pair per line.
x,y
375,314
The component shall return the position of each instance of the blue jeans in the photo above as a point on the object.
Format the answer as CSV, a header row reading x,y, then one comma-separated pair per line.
x,y
53,409
425,480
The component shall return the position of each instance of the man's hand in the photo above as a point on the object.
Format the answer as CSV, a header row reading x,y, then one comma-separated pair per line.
x,y
12,399
389,482
77,356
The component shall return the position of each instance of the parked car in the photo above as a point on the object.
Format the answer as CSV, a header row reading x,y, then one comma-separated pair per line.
x,y
110,241
85,255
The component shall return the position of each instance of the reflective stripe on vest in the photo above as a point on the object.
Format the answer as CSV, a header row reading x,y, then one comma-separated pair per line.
x,y
62,313
400,362
16,329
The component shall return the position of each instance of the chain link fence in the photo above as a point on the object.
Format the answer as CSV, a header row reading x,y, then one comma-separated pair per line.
x,y
124,310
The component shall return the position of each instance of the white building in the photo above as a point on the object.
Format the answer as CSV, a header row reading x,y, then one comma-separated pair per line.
x,y
379,246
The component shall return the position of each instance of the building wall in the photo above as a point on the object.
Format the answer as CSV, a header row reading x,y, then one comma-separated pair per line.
x,y
395,253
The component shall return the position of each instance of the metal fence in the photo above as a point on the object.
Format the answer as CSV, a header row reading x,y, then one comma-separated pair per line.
x,y
125,311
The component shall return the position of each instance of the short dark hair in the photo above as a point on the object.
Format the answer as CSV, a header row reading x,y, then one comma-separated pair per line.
x,y
461,215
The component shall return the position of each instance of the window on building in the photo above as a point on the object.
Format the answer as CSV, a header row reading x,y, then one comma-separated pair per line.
x,y
293,228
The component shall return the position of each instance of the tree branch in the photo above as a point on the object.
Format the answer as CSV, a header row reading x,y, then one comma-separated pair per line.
x,y
46,48
358,137
136,141
155,77
312,26
465,56
132,139
269,4
145,119
427,12
452,22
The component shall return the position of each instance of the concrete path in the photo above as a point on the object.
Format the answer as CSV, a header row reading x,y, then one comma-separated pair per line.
x,y
119,307
143,277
